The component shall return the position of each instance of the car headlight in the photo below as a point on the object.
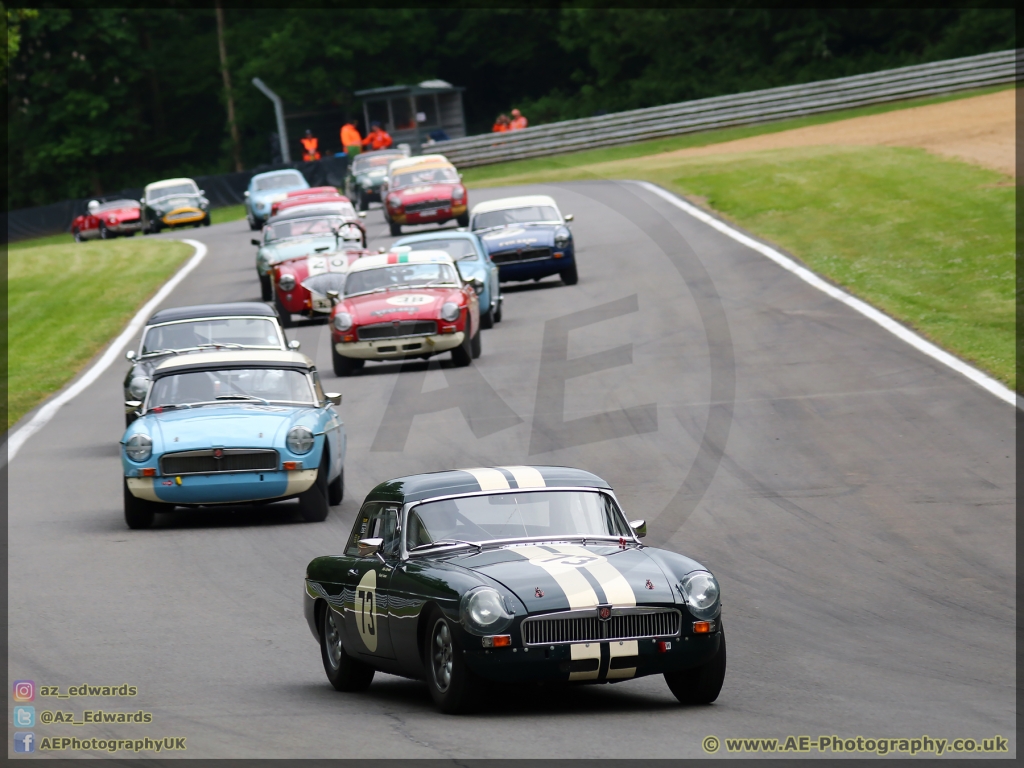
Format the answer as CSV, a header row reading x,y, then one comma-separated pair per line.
x,y
562,237
450,312
138,387
394,201
139,447
300,440
458,193
342,321
483,611
701,594
287,282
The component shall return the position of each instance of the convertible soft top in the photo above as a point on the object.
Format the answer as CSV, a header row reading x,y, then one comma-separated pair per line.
x,y
455,481
242,358
234,309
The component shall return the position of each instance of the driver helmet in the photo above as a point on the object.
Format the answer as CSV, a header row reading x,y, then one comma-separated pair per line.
x,y
94,205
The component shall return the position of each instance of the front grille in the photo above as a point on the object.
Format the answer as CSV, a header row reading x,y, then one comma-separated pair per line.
x,y
181,215
231,460
427,205
624,624
397,330
522,254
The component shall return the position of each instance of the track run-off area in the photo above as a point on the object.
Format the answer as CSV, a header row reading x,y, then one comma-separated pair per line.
x,y
854,496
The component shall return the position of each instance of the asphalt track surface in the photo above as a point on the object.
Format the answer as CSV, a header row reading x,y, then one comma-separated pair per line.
x,y
854,497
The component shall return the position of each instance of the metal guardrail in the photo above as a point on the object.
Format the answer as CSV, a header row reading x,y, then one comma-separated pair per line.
x,y
737,109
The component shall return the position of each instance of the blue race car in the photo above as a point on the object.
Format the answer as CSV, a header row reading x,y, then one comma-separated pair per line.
x,y
265,189
234,427
527,237
471,259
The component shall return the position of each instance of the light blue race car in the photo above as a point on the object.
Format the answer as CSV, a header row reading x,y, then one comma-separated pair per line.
x,y
265,189
235,427
470,256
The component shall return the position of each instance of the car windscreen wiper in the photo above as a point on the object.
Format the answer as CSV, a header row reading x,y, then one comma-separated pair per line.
x,y
241,396
162,352
448,542
230,344
169,406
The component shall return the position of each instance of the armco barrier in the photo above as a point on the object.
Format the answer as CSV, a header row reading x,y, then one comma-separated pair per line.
x,y
737,109
221,190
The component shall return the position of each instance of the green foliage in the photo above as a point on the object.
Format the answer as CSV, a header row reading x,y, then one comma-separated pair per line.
x,y
103,99
66,301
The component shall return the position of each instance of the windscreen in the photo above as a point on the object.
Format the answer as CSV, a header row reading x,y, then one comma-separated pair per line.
x,y
523,215
283,230
458,248
515,516
324,282
115,204
249,332
279,181
172,191
340,208
424,176
275,385
405,275
366,162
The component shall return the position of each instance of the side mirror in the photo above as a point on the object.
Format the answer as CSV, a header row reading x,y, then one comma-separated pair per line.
x,y
334,296
247,193
334,398
130,354
294,344
362,214
568,217
142,201
478,285
256,242
369,547
382,249
133,404
639,527
202,191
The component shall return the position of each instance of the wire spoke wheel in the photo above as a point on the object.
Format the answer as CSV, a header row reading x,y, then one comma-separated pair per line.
x,y
332,640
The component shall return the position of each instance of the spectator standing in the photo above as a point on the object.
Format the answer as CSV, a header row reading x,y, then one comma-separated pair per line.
x,y
518,121
310,147
501,124
351,141
377,138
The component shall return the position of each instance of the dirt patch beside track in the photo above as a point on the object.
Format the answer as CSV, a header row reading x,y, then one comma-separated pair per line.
x,y
979,130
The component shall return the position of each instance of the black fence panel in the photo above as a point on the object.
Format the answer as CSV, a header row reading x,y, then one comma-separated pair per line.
x,y
221,190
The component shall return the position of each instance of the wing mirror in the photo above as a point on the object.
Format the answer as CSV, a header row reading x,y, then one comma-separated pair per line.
x,y
133,404
639,527
382,249
362,214
255,242
247,193
478,285
568,217
369,547
334,296
334,398
130,354
294,345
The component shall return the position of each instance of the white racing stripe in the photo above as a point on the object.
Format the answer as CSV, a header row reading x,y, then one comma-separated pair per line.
x,y
489,479
580,651
42,417
876,316
617,591
527,477
618,650
574,584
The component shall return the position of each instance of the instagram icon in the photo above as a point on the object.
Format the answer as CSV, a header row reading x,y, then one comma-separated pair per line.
x,y
24,690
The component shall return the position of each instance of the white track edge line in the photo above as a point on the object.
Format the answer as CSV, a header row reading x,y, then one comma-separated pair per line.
x,y
897,329
17,439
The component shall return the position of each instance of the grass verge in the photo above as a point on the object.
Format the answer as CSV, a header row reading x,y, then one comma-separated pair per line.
x,y
543,168
926,239
66,301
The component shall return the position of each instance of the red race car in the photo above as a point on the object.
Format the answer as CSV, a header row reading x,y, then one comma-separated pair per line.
x,y
108,220
301,283
404,304
306,195
424,190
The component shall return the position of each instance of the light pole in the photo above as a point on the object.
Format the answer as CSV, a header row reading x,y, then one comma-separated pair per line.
x,y
282,132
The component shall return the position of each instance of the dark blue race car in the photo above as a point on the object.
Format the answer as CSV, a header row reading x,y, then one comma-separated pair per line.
x,y
527,237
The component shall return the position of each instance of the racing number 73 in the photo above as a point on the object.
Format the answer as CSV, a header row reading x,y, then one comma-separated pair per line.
x,y
365,597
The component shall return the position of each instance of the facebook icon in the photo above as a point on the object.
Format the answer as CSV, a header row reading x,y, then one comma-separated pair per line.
x,y
24,742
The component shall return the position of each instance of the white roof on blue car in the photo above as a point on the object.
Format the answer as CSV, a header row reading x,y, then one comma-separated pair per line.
x,y
514,202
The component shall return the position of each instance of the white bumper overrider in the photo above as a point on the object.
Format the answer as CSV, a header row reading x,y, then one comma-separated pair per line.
x,y
410,346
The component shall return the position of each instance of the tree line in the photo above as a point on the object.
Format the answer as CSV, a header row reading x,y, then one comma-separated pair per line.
x,y
100,99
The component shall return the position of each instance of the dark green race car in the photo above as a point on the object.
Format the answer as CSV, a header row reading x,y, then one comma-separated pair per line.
x,y
511,574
